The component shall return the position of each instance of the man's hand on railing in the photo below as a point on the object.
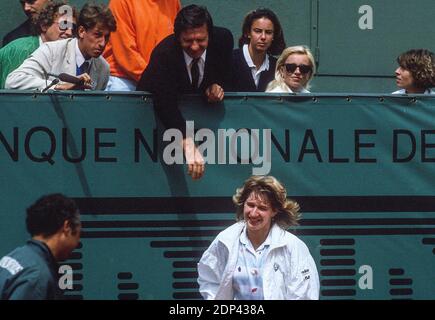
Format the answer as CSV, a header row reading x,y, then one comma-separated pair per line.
x,y
214,93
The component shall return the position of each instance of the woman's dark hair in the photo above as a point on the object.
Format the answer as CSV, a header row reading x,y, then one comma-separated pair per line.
x,y
192,16
48,214
278,42
93,14
421,64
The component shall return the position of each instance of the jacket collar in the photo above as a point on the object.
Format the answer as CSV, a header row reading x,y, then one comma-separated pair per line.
x,y
43,250
232,234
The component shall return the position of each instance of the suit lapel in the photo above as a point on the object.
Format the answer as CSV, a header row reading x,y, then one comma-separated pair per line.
x,y
184,74
70,57
246,72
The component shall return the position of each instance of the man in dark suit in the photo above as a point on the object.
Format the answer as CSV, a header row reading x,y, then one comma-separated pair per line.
x,y
195,59
31,9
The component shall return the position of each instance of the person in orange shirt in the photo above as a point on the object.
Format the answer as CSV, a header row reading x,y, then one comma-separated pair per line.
x,y
141,25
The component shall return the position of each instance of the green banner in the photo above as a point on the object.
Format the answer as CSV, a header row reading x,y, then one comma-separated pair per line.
x,y
361,167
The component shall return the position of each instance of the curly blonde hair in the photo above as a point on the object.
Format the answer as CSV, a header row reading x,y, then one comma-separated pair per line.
x,y
421,64
275,192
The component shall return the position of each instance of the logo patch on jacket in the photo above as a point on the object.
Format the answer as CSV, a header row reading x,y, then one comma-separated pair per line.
x,y
305,274
11,265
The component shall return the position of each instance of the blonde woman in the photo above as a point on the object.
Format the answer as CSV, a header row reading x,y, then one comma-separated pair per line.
x,y
256,258
294,70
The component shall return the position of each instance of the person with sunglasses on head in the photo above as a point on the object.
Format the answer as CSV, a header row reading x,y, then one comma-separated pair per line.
x,y
253,62
52,23
31,9
80,57
294,70
416,72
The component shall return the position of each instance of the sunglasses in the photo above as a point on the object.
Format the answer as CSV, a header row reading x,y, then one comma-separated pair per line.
x,y
64,25
303,68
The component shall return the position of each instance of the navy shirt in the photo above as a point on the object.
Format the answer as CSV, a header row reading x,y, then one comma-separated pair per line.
x,y
29,273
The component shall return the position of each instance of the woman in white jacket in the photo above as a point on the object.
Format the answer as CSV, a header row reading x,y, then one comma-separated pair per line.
x,y
256,258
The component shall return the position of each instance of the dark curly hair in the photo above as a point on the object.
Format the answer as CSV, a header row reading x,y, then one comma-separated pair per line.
x,y
421,64
274,191
278,43
48,14
48,214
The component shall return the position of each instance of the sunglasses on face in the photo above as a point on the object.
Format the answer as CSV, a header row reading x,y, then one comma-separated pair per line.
x,y
303,68
63,26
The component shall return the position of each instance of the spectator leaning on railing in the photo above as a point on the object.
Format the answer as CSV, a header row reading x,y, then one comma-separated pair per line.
x,y
79,57
195,59
52,23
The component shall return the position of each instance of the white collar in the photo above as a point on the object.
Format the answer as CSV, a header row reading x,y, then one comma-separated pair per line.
x,y
79,56
264,66
188,59
245,240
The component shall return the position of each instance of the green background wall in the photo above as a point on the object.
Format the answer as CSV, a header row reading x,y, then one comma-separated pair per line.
x,y
350,59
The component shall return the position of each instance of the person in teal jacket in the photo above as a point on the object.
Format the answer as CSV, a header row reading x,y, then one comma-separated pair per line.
x,y
52,23
31,272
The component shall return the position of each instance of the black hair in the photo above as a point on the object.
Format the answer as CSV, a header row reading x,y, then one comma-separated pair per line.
x,y
192,16
278,43
48,214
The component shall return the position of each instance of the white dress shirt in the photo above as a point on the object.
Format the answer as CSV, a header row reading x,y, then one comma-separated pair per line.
x,y
80,59
256,73
201,65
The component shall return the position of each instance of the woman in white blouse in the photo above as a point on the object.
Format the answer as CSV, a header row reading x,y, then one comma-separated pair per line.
x,y
294,70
